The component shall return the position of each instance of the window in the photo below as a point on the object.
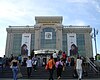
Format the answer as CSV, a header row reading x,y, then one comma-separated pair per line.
x,y
80,44
47,43
32,41
17,44
64,41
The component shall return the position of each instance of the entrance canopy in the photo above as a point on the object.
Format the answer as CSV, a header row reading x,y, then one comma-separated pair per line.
x,y
46,51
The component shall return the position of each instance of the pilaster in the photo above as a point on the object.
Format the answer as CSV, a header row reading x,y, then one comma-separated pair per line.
x,y
88,45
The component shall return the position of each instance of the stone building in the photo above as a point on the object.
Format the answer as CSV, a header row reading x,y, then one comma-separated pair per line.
x,y
48,35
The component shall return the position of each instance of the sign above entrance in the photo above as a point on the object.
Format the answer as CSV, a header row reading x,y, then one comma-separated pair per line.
x,y
48,35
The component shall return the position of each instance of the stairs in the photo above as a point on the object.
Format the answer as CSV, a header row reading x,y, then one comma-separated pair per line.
x,y
41,73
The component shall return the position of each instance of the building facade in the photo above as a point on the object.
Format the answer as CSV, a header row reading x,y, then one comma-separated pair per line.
x,y
49,34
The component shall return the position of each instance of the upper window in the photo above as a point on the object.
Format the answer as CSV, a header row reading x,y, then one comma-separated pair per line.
x,y
17,44
81,43
48,38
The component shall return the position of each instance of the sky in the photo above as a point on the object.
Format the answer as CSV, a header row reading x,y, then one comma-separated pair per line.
x,y
23,12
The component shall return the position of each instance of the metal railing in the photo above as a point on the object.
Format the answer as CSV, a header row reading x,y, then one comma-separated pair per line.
x,y
92,64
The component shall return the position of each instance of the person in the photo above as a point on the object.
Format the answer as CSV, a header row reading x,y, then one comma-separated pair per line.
x,y
32,53
79,67
64,56
49,67
69,60
14,65
72,63
55,56
20,59
1,64
34,63
59,67
11,58
84,66
59,54
29,66
4,61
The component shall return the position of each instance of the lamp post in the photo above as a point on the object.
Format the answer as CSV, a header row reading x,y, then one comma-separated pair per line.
x,y
95,33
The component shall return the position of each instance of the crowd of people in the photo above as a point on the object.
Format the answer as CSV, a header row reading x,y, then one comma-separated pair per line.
x,y
61,62
55,62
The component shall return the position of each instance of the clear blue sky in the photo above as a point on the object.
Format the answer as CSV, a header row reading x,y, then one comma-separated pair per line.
x,y
23,12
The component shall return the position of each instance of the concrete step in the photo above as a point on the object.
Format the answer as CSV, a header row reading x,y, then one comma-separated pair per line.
x,y
41,73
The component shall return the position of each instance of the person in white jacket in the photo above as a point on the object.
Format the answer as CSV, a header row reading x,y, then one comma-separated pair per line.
x,y
79,67
55,56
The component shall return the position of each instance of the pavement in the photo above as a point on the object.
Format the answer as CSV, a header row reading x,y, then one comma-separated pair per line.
x,y
47,79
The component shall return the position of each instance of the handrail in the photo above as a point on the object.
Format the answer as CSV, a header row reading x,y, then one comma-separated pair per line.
x,y
93,67
92,64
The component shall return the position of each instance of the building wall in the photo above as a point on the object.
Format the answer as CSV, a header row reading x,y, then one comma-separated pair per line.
x,y
88,45
37,38
83,38
84,41
59,38
9,44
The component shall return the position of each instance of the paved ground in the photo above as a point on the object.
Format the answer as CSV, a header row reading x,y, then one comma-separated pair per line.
x,y
47,79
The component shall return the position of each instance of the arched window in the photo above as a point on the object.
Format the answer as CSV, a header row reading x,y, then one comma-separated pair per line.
x,y
48,38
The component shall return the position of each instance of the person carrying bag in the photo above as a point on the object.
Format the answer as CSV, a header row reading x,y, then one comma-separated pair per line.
x,y
50,67
59,68
14,66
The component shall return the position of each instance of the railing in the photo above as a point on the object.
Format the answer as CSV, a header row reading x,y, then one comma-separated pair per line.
x,y
92,64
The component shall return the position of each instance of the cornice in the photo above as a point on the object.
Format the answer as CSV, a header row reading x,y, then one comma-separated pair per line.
x,y
77,30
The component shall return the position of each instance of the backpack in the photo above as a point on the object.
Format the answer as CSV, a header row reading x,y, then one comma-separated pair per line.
x,y
60,66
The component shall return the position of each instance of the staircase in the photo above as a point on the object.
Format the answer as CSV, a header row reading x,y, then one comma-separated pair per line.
x,y
41,73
